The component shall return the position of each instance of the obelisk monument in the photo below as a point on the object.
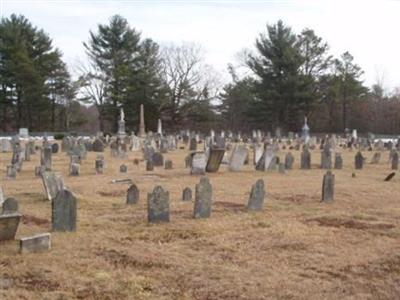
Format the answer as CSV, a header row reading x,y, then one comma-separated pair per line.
x,y
142,129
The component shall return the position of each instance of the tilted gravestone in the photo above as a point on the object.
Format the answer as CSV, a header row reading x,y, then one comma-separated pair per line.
x,y
203,199
305,162
158,159
8,226
238,157
258,152
376,158
214,160
289,160
268,161
64,211
168,164
53,183
132,196
158,205
328,187
187,194
198,164
10,206
359,161
395,161
338,161
257,196
37,243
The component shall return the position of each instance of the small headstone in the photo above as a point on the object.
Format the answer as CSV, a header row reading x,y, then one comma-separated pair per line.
x,y
395,161
54,148
198,164
64,211
187,194
359,161
36,243
158,205
328,187
168,164
53,183
123,168
132,196
305,162
257,196
46,160
11,172
99,165
74,169
149,165
10,206
8,226
203,199
289,160
98,146
158,159
376,158
338,161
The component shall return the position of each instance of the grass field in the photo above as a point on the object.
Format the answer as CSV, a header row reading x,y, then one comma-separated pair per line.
x,y
296,248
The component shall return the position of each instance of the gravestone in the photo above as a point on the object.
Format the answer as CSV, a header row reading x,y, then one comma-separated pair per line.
x,y
268,161
149,165
238,157
11,172
168,164
258,153
376,158
132,196
1,196
257,196
328,187
35,244
158,205
220,142
27,153
8,226
39,170
158,159
326,157
358,161
305,162
214,160
10,206
193,144
53,183
395,161
338,161
187,194
74,169
123,168
203,199
198,164
99,165
46,160
98,145
64,211
289,160
54,148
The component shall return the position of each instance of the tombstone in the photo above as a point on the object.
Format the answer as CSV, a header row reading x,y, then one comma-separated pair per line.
x,y
358,161
305,162
46,160
1,196
148,152
198,164
74,169
193,144
328,187
53,183
214,160
11,172
258,153
8,226
158,159
289,161
257,196
203,199
158,205
395,161
99,165
168,164
220,142
35,244
238,157
123,168
98,145
376,158
187,194
326,157
132,196
54,148
338,161
64,211
268,161
10,206
149,165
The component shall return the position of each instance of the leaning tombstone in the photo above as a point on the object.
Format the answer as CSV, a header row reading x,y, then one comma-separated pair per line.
x,y
10,206
198,164
214,160
9,226
64,211
53,183
395,161
203,199
328,187
187,194
358,161
289,160
132,196
34,244
238,158
257,196
158,205
338,161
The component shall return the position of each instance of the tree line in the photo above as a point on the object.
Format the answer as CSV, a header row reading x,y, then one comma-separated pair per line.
x,y
288,76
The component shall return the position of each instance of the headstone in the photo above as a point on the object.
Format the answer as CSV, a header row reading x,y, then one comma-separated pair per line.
x,y
10,206
132,196
123,168
27,153
193,144
168,164
46,158
238,158
328,187
338,161
395,161
305,162
8,226
203,199
214,160
376,158
158,205
53,183
1,196
258,152
359,161
257,196
158,159
39,170
54,148
149,165
11,172
64,211
187,194
74,169
98,145
289,160
198,164
36,243
326,157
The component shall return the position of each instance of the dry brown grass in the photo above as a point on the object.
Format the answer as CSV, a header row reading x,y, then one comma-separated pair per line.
x,y
296,248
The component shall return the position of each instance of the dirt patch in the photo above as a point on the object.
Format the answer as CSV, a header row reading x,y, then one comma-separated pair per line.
x,y
29,220
349,223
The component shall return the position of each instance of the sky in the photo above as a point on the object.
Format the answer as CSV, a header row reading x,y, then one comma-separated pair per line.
x,y
367,29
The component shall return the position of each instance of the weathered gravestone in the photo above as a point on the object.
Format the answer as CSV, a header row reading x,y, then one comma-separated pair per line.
x,y
238,157
257,196
214,160
305,162
46,160
359,161
123,168
149,165
158,205
98,146
338,161
395,161
198,164
193,144
64,211
268,161
289,160
158,159
187,194
53,183
203,199
8,226
1,196
27,153
326,157
37,243
328,187
99,165
10,206
168,164
376,158
11,172
258,152
74,169
54,148
132,196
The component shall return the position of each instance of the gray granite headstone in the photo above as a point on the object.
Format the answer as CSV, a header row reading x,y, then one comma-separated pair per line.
x,y
289,160
359,161
257,196
11,172
132,196
10,206
395,161
338,161
198,164
158,159
53,183
328,187
168,164
158,205
64,211
46,158
203,199
8,226
187,194
123,168
238,158
305,162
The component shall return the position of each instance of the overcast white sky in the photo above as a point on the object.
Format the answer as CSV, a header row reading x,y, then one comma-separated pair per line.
x,y
369,30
